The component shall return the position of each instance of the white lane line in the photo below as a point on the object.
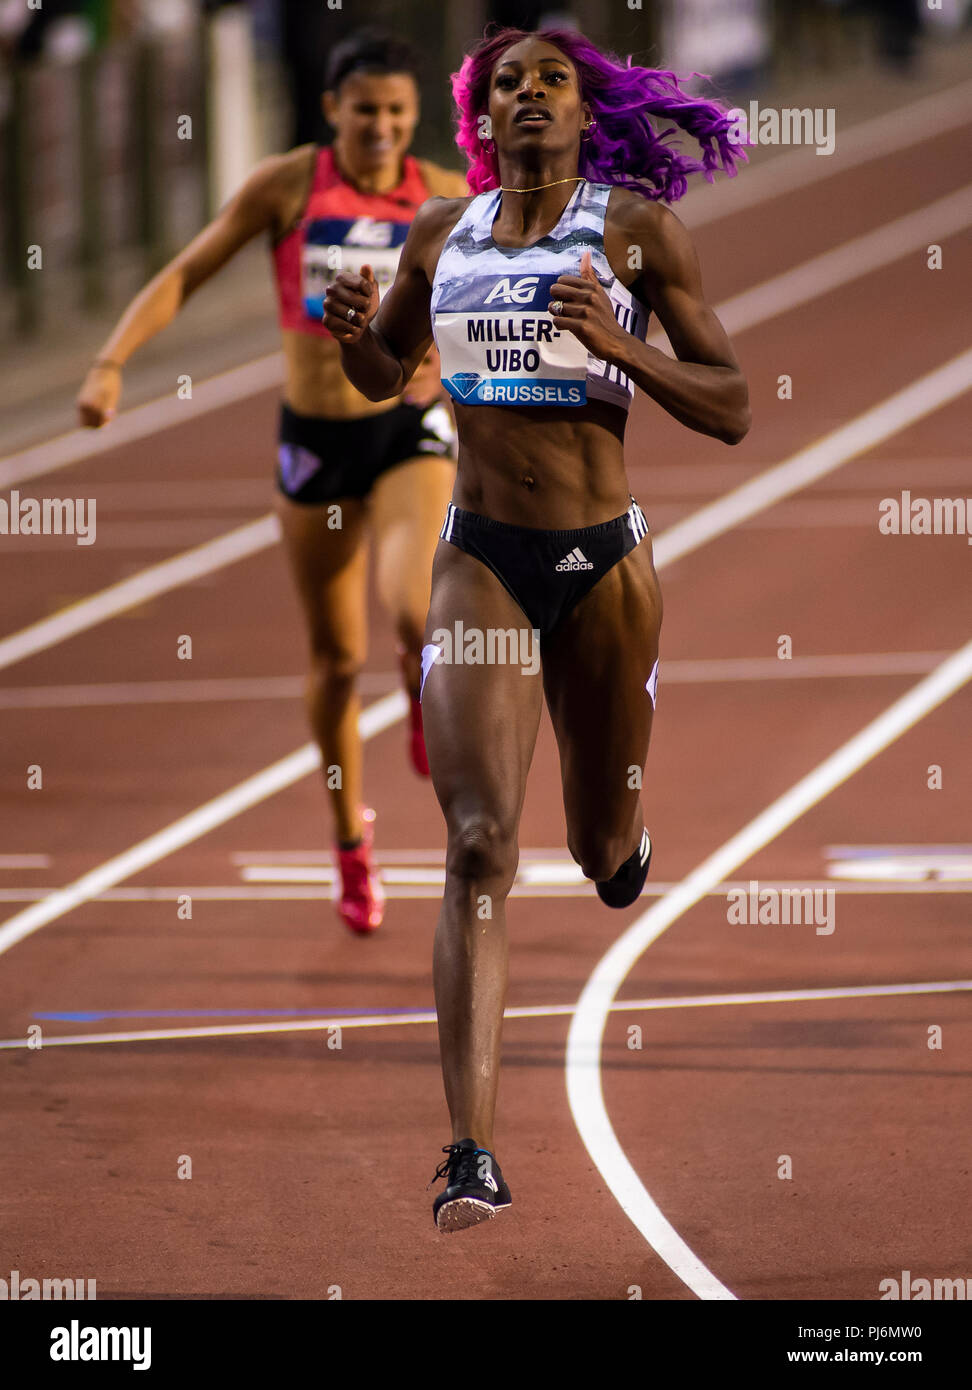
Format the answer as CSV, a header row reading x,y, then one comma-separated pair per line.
x,y
24,861
925,119
840,266
320,891
238,384
324,856
155,535
381,715
850,261
219,494
148,583
304,1025
677,671
896,412
770,668
670,484
783,292
221,689
584,1043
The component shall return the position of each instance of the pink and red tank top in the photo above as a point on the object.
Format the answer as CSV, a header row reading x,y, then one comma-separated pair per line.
x,y
342,229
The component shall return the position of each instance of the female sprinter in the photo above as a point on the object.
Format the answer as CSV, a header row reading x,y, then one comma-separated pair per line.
x,y
387,464
540,322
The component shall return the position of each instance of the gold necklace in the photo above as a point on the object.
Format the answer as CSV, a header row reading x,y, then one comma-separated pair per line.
x,y
578,178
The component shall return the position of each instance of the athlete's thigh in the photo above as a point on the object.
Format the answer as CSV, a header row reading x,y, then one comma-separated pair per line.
x,y
596,668
327,549
408,504
480,716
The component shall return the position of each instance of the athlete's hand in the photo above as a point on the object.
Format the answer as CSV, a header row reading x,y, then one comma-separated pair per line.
x,y
425,387
587,311
350,291
98,398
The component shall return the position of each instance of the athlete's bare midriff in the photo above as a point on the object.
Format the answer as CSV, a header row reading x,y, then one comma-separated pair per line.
x,y
552,467
315,384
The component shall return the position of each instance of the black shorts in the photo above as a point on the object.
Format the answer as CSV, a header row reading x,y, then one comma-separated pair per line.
x,y
546,572
321,460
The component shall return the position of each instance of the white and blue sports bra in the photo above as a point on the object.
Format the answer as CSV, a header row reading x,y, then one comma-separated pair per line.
x,y
498,341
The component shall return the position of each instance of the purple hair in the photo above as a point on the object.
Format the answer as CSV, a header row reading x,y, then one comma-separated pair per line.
x,y
625,148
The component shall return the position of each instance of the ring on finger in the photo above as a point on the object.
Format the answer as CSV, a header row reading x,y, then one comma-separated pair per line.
x,y
350,316
557,306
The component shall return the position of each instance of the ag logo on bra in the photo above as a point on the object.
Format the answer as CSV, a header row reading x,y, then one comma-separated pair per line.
x,y
365,231
521,293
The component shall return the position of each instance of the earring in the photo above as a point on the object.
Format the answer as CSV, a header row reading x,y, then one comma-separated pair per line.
x,y
586,129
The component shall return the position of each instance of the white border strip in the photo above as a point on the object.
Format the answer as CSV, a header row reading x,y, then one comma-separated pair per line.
x,y
583,1064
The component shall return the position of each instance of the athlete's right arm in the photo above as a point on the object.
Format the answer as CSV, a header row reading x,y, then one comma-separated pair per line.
x,y
383,346
252,210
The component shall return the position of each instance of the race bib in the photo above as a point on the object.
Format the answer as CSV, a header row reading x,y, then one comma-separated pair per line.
x,y
500,345
334,244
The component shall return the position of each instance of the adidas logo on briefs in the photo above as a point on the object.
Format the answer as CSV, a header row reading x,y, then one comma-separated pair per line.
x,y
576,560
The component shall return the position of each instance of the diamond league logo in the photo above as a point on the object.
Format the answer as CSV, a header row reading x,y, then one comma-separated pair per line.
x,y
465,382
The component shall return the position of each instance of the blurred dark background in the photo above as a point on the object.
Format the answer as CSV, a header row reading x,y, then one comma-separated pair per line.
x,y
125,123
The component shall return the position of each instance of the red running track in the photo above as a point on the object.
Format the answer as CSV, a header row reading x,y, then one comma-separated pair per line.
x,y
289,1138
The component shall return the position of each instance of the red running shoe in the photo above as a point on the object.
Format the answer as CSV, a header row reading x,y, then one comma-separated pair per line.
x,y
362,901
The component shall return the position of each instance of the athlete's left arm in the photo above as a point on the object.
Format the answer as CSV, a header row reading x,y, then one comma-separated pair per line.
x,y
705,388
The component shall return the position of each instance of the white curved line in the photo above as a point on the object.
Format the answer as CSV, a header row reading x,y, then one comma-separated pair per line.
x,y
584,1090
